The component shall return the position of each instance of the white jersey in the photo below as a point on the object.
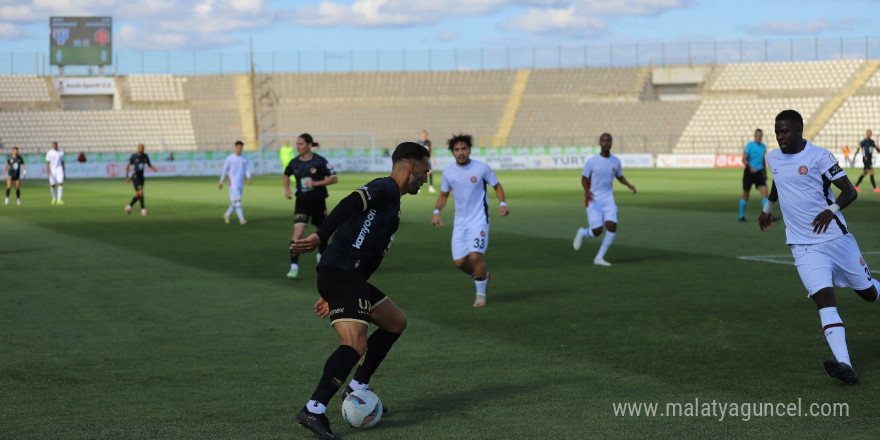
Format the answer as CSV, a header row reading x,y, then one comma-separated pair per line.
x,y
601,171
55,158
803,184
236,167
468,186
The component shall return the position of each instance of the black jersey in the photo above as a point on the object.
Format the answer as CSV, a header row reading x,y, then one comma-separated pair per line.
x,y
316,168
14,166
868,147
138,163
360,243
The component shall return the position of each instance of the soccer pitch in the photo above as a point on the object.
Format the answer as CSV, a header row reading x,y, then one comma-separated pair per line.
x,y
178,326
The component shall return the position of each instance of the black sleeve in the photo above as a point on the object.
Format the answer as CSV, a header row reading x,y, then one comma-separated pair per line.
x,y
148,160
350,205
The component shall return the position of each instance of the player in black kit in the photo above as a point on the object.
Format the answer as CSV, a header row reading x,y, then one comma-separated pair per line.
x,y
136,164
16,168
867,147
313,173
363,226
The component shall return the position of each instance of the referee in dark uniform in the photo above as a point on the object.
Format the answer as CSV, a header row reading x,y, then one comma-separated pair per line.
x,y
136,165
363,226
313,173
867,147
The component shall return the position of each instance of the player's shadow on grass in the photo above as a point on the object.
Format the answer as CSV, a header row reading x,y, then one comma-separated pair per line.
x,y
415,409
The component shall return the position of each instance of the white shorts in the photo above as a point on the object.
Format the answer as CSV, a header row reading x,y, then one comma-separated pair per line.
x,y
600,211
235,193
56,176
836,262
469,238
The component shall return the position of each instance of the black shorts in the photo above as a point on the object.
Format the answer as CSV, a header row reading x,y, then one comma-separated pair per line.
x,y
14,176
138,182
349,296
867,163
749,178
310,210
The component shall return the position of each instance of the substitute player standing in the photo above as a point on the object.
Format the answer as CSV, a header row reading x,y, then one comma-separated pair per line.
x,y
313,173
236,169
363,226
867,148
598,180
754,173
467,179
825,252
136,164
16,168
55,171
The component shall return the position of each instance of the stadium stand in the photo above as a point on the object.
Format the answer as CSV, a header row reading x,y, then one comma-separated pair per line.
x,y
847,126
155,87
98,131
790,75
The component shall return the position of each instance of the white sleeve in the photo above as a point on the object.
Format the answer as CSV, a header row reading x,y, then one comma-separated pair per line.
x,y
445,184
225,170
247,168
828,165
490,177
587,169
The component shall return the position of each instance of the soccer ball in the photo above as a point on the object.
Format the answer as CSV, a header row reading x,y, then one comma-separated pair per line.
x,y
362,409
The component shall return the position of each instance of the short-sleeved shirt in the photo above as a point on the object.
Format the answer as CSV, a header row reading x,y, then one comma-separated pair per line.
x,y
138,162
468,185
601,171
316,168
755,152
867,145
803,183
360,243
14,165
55,159
236,168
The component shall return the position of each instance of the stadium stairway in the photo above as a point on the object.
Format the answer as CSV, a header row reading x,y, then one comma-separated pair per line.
x,y
513,103
244,94
833,104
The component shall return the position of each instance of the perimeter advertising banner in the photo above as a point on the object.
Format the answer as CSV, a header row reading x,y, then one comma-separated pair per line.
x,y
80,41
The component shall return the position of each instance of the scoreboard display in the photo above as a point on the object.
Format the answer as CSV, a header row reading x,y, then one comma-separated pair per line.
x,y
81,41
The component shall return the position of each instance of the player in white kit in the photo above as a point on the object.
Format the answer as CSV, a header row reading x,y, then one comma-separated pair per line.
x,y
825,252
236,170
598,181
55,170
467,180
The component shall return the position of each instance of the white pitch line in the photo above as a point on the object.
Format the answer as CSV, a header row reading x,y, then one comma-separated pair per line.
x,y
787,258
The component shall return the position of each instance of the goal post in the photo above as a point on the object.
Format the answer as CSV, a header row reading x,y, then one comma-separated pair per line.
x,y
330,145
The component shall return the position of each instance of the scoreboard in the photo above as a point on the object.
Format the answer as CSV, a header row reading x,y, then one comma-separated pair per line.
x,y
81,41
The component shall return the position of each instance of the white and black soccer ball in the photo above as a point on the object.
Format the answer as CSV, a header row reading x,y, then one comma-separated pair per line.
x,y
362,409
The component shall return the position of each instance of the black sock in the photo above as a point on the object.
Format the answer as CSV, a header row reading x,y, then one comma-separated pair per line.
x,y
133,201
141,198
872,181
294,258
336,370
378,345
17,193
860,179
7,192
431,179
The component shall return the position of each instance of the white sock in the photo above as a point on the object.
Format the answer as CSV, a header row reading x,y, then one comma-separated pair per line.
x,y
52,191
606,243
229,210
355,385
60,190
835,334
586,232
294,266
877,288
316,407
238,210
481,286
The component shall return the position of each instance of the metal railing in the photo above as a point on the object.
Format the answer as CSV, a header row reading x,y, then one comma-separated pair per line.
x,y
630,54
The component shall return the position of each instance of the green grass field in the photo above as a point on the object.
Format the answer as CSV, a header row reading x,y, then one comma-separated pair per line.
x,y
178,326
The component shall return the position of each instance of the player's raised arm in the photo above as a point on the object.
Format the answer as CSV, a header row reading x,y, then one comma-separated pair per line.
x,y
350,205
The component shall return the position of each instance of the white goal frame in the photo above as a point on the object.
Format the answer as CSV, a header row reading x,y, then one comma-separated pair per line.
x,y
327,141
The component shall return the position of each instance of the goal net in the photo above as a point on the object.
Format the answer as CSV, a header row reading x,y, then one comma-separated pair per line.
x,y
356,150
